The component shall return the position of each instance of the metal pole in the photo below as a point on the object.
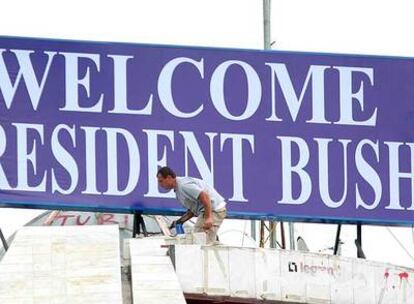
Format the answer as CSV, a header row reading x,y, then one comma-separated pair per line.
x,y
138,224
266,24
292,236
358,243
359,234
337,239
266,42
3,240
282,232
135,227
273,235
261,243
253,229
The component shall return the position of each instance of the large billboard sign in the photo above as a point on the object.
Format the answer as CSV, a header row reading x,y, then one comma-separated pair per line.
x,y
86,125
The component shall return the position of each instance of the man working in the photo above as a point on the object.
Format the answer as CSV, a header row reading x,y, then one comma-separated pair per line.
x,y
199,198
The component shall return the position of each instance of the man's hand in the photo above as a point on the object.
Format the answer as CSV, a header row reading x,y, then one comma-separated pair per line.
x,y
188,215
208,223
173,224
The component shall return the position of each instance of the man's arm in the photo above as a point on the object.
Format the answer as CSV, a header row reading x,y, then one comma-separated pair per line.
x,y
184,218
208,219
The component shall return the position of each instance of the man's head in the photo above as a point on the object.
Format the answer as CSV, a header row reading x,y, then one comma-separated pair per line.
x,y
166,178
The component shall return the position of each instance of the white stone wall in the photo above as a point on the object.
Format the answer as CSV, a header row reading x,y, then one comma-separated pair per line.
x,y
291,276
54,265
154,280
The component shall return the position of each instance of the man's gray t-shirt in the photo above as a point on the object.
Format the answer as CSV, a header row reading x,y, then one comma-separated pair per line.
x,y
188,190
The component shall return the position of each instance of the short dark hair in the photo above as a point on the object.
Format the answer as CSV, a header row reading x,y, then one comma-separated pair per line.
x,y
166,171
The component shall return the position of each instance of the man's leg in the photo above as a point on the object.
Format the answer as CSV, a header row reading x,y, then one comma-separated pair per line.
x,y
211,234
198,227
218,217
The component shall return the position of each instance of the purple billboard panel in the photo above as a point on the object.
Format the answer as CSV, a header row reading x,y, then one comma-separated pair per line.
x,y
317,137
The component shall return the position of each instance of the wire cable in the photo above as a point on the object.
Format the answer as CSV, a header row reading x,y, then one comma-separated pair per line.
x,y
399,243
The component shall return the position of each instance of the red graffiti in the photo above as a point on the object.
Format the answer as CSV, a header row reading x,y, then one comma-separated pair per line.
x,y
64,218
105,218
126,217
403,276
79,222
386,274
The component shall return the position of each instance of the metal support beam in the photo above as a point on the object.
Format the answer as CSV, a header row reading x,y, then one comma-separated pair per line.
x,y
266,24
282,235
262,240
358,242
267,46
253,229
359,234
337,239
272,234
3,240
292,236
138,224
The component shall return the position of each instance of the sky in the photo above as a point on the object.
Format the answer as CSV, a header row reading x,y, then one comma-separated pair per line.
x,y
328,26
